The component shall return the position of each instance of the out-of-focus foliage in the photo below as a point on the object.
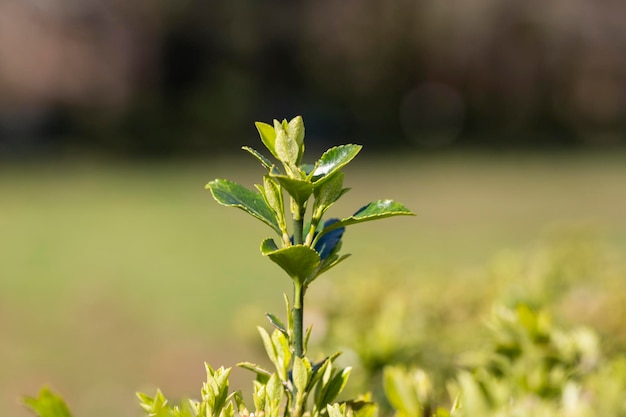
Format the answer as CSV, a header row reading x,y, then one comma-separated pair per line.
x,y
391,319
147,76
47,404
529,368
523,365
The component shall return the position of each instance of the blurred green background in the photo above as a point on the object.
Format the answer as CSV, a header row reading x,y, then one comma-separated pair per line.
x,y
497,123
118,277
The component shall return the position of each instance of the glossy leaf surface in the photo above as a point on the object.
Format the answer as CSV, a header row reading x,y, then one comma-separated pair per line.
x,y
373,211
333,160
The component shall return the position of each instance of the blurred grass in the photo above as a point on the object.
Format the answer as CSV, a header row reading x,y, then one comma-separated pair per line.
x,y
116,277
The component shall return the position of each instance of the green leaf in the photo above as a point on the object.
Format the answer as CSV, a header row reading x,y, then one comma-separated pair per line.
x,y
263,160
274,198
336,385
263,375
299,190
295,129
274,391
287,149
47,404
328,193
269,346
298,261
289,317
154,407
330,386
331,262
258,395
373,211
399,391
333,160
277,323
337,410
378,210
301,373
319,369
307,336
241,406
268,137
283,353
231,194
215,390
363,406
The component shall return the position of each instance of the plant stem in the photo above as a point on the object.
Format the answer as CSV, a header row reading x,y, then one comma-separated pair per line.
x,y
298,287
298,225
298,316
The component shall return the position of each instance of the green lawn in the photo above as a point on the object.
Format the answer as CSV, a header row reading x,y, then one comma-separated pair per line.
x,y
116,277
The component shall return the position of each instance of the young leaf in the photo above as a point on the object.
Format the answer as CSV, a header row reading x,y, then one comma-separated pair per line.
x,y
333,160
47,404
277,323
330,386
362,406
297,261
274,198
328,193
307,336
301,373
274,394
399,391
259,395
289,317
263,160
263,375
295,129
283,353
319,369
287,149
268,137
336,385
299,190
269,346
337,410
231,194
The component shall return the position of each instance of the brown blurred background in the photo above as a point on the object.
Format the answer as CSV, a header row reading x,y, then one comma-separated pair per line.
x,y
162,77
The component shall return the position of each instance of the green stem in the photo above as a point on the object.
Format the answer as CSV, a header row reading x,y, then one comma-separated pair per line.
x,y
309,237
298,316
298,225
298,286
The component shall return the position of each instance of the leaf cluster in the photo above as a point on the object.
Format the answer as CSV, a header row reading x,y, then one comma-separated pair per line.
x,y
291,190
